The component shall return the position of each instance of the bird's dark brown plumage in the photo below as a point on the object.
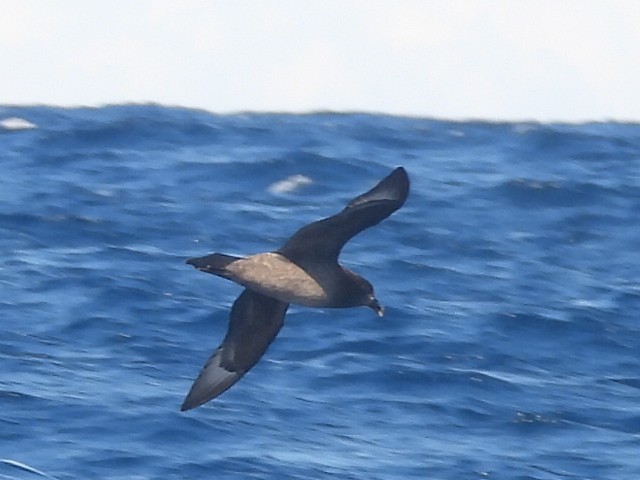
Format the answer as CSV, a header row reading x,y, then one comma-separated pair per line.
x,y
304,270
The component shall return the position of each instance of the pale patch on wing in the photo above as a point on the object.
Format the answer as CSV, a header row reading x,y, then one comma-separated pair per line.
x,y
211,382
254,322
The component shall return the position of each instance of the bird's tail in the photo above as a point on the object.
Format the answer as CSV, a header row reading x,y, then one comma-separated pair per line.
x,y
216,263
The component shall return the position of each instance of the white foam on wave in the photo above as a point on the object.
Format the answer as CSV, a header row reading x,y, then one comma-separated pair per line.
x,y
25,467
16,123
289,184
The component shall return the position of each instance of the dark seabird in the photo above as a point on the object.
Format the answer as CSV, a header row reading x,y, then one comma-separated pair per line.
x,y
305,271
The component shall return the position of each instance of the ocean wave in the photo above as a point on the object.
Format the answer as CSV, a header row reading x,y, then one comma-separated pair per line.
x,y
509,280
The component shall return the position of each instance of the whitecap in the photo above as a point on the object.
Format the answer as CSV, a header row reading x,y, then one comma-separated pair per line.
x,y
16,123
289,184
25,467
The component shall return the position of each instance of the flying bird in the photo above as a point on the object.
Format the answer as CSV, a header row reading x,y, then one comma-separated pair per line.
x,y
305,271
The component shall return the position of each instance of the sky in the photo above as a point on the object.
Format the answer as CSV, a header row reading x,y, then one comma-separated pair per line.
x,y
545,60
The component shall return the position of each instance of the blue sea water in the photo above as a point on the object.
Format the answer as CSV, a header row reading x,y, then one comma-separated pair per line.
x,y
510,348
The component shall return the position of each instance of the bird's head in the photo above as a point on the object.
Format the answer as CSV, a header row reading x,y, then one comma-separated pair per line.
x,y
368,297
359,292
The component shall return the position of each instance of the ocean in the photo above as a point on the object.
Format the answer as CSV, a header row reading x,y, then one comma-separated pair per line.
x,y
510,347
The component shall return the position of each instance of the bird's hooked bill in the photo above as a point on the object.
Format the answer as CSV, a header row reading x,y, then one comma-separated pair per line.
x,y
373,304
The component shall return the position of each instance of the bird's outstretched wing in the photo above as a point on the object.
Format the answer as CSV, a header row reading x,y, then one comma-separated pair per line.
x,y
254,322
322,241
